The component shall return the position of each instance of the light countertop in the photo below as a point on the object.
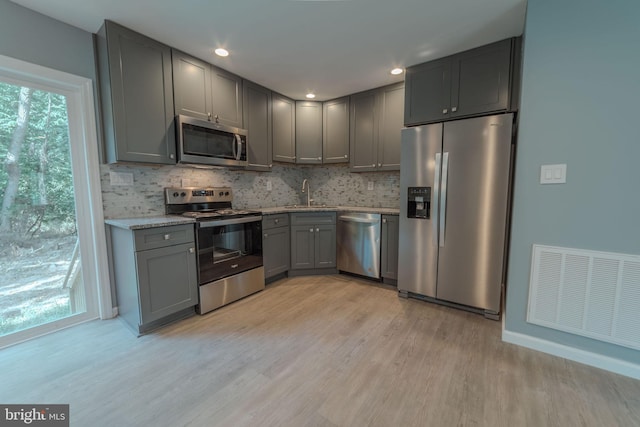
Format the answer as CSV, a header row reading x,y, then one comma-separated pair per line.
x,y
288,209
149,222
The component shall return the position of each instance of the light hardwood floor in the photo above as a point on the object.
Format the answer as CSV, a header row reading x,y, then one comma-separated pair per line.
x,y
313,351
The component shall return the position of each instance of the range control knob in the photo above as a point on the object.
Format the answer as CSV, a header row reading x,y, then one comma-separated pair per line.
x,y
175,194
183,194
226,193
221,193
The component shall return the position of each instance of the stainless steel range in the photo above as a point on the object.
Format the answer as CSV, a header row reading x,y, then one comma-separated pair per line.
x,y
228,241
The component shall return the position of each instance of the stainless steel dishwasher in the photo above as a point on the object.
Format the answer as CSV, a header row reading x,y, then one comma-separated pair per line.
x,y
358,241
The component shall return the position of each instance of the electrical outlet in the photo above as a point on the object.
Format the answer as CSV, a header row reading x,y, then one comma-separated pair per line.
x,y
269,186
121,178
370,186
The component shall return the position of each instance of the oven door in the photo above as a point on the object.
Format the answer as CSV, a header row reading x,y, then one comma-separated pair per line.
x,y
229,246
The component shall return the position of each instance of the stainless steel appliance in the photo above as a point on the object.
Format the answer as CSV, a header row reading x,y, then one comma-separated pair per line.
x,y
210,143
454,195
228,244
358,241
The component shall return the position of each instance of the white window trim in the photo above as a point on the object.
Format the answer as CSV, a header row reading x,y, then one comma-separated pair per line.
x,y
86,167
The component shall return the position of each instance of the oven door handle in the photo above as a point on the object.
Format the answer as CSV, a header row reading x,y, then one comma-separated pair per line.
x,y
218,223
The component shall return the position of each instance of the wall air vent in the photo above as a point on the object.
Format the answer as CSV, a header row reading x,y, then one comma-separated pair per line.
x,y
588,293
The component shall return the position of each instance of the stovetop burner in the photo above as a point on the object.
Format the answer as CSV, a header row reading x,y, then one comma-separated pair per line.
x,y
203,203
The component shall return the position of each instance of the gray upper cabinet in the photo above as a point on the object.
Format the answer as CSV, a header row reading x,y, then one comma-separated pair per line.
x,y
473,82
227,97
136,96
391,107
375,125
206,92
308,132
257,121
191,86
284,129
335,131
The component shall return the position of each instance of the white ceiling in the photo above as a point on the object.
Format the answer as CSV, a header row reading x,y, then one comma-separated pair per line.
x,y
330,47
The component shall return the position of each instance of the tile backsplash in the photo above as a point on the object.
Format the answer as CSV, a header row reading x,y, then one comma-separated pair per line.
x,y
332,185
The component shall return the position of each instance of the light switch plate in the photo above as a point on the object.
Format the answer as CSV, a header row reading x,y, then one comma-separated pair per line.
x,y
120,178
553,174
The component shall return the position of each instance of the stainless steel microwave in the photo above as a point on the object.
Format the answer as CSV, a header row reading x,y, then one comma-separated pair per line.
x,y
207,143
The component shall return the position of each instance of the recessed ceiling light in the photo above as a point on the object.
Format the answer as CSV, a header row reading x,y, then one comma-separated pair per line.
x,y
397,71
221,52
310,95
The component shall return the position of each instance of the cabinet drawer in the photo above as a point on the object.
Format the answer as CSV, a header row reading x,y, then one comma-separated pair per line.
x,y
152,238
313,218
272,221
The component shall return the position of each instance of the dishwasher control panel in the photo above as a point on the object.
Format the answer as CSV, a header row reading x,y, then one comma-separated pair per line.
x,y
419,202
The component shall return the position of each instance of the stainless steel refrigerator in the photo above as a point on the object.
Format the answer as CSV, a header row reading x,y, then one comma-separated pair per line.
x,y
454,196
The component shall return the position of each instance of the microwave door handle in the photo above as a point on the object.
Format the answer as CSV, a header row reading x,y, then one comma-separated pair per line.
x,y
238,148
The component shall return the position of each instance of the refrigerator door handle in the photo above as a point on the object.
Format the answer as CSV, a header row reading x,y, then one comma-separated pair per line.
x,y
443,203
436,196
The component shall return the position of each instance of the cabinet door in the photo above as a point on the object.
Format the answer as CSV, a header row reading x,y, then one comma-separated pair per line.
x,y
389,247
226,98
335,131
137,91
480,79
302,247
191,86
427,92
308,132
325,246
363,129
167,280
284,129
391,107
275,249
257,120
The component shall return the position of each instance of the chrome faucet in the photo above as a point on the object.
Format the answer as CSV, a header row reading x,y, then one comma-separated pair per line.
x,y
309,199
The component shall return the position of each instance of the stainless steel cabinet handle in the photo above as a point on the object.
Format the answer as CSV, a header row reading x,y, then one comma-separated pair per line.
x,y
317,230
171,156
345,156
319,158
266,235
167,236
454,109
311,230
276,221
234,265
445,111
270,165
373,165
191,250
209,116
384,220
379,165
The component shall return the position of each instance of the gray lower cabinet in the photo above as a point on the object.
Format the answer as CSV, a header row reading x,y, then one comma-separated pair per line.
x,y
155,275
375,125
477,81
258,121
389,248
284,128
335,131
308,132
205,91
275,244
136,94
313,242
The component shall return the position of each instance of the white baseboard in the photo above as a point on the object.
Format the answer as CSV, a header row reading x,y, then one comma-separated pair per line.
x,y
581,356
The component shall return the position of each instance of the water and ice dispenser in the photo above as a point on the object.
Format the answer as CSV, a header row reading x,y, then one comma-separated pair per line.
x,y
419,202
